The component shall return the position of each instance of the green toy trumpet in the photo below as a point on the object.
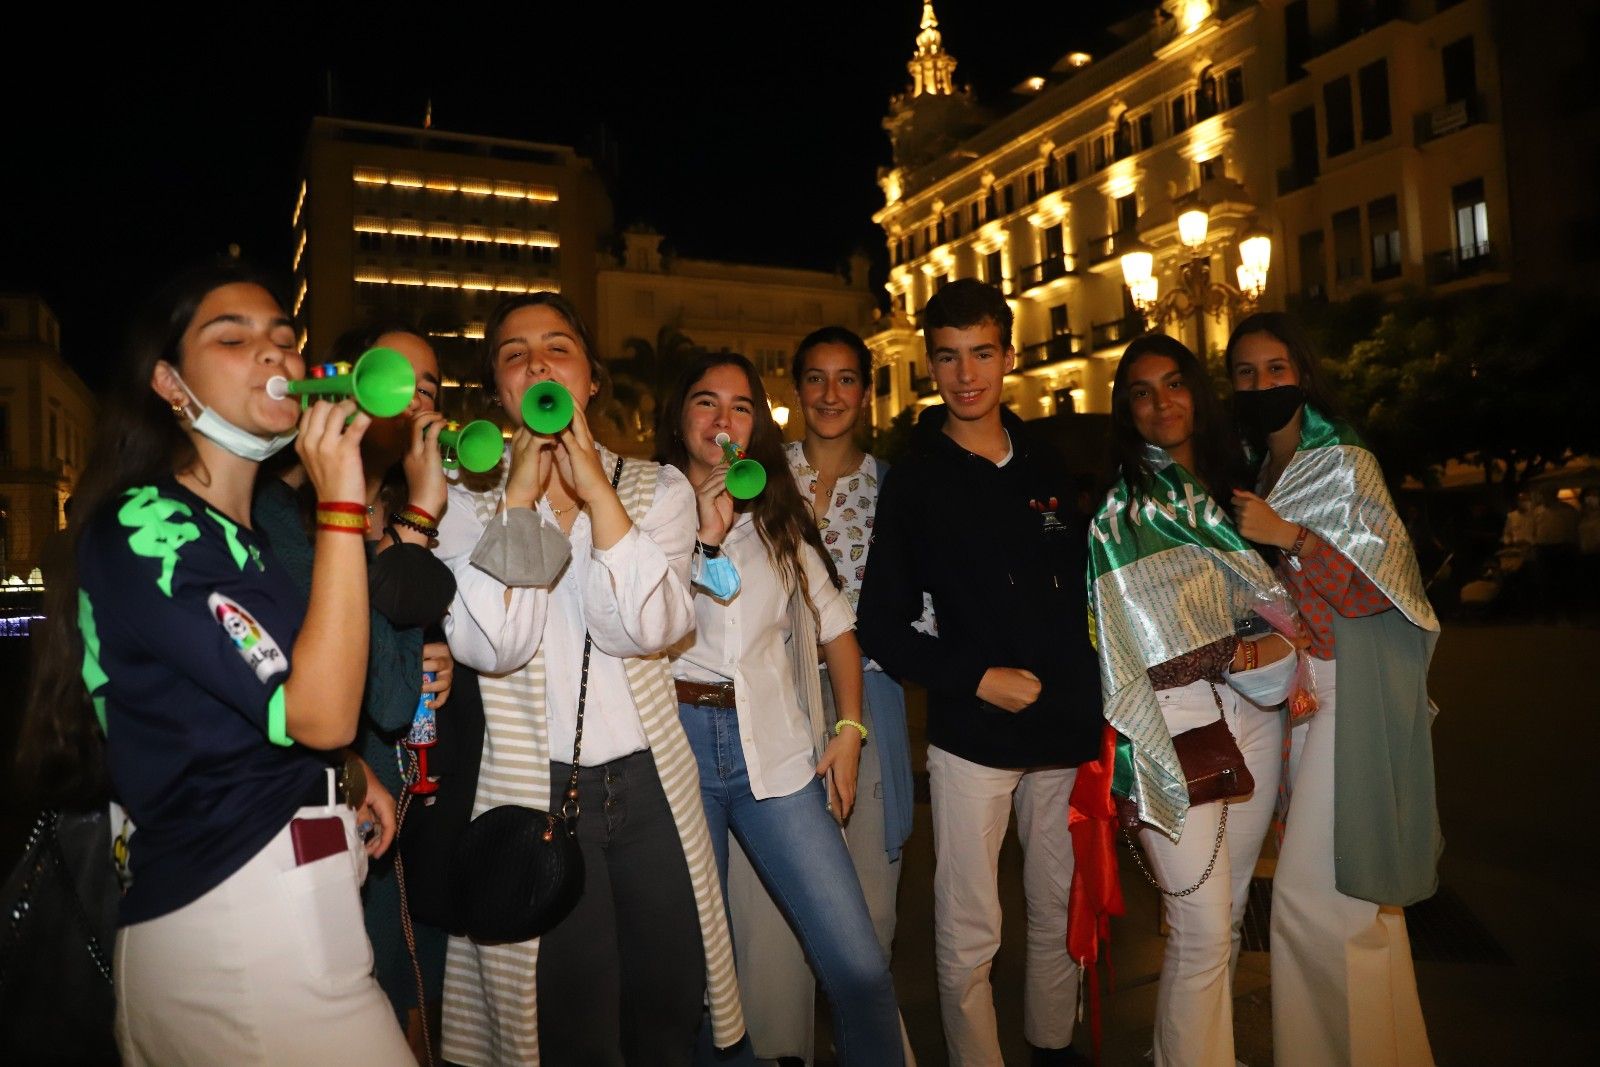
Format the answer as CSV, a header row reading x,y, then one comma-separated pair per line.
x,y
547,407
746,477
477,446
381,381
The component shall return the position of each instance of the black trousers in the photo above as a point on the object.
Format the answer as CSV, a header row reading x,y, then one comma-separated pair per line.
x,y
622,979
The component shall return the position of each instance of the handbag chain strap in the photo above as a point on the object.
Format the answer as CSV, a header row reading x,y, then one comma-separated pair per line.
x,y
1216,846
570,808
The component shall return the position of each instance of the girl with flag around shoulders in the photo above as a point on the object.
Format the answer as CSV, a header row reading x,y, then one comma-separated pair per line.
x,y
1173,585
1362,837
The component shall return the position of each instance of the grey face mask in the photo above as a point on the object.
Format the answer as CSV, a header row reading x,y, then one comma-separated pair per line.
x,y
226,435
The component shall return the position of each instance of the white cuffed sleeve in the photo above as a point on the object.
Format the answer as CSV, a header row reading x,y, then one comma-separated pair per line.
x,y
638,602
834,616
487,630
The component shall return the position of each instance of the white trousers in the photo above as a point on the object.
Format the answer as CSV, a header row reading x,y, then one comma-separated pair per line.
x,y
971,808
1194,1002
272,966
1343,988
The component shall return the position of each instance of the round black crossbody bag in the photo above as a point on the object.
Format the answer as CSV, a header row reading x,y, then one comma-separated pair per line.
x,y
518,871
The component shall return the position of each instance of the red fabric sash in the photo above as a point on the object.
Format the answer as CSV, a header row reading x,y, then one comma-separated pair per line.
x,y
1096,893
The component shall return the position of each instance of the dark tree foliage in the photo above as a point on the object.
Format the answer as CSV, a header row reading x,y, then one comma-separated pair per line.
x,y
1501,377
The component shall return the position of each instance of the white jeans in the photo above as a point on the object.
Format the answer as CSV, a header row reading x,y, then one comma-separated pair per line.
x,y
1194,1002
272,966
971,808
1343,988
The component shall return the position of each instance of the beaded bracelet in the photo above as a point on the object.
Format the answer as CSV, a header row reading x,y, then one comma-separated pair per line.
x,y
857,727
426,519
405,519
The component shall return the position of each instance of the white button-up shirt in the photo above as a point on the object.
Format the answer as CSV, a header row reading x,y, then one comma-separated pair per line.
x,y
743,639
634,599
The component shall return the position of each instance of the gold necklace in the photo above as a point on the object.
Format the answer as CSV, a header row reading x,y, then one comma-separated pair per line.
x,y
558,512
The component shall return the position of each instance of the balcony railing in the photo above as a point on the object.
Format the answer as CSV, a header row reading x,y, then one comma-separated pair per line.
x,y
1061,346
1036,274
1118,331
1446,119
1099,249
1458,263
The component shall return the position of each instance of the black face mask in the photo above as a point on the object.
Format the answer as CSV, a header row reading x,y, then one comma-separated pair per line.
x,y
1265,411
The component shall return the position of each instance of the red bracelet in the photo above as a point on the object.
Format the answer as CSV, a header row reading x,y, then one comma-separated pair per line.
x,y
349,507
1299,542
430,519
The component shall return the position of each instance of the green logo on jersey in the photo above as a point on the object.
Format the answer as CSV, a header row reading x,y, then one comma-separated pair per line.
x,y
155,533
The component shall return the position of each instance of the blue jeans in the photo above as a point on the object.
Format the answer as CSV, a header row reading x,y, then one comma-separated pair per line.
x,y
797,850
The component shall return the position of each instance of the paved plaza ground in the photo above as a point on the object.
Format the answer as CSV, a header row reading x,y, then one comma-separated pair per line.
x,y
1505,959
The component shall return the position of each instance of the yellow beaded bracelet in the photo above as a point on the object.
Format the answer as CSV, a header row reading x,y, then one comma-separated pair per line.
x,y
857,727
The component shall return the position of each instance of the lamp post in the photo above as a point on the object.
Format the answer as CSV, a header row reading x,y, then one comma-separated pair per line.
x,y
1197,293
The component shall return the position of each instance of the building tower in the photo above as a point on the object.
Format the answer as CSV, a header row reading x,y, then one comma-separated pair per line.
x,y
932,114
932,69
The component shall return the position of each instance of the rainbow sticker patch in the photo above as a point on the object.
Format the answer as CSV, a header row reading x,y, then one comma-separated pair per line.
x,y
259,651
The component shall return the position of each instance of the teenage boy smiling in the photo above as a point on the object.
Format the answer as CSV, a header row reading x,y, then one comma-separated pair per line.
x,y
982,520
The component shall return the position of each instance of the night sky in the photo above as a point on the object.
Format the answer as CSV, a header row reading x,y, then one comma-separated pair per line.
x,y
743,132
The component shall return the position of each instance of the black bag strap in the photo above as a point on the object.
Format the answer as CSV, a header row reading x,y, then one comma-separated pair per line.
x,y
570,807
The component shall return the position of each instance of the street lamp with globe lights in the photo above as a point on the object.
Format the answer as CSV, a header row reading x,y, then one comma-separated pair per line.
x,y
1197,293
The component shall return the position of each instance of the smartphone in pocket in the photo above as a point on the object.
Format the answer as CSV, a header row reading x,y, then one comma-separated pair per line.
x,y
316,839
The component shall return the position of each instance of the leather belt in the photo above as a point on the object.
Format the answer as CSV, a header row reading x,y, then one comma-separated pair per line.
x,y
706,694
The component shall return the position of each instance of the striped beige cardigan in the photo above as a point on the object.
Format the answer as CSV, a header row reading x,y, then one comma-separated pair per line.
x,y
490,1010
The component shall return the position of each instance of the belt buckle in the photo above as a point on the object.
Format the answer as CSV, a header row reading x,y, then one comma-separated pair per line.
x,y
352,786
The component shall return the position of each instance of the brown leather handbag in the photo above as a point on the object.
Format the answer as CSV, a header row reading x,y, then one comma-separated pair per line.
x,y
1215,770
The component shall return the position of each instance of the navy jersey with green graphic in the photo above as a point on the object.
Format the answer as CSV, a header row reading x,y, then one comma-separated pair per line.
x,y
188,623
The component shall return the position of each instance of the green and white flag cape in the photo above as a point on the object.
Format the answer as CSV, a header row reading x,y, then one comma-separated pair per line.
x,y
1334,487
1168,574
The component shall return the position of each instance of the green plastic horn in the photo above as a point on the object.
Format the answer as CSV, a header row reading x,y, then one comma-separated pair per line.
x,y
476,446
547,407
382,383
746,477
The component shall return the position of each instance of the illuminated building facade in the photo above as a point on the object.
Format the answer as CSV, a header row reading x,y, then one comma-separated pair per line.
x,y
47,420
1390,163
1363,136
761,312
437,227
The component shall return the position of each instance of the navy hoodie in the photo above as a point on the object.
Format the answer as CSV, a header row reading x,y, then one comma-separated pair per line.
x,y
1002,552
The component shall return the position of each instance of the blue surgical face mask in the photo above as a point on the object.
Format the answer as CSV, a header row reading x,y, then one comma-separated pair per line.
x,y
226,435
717,576
1266,686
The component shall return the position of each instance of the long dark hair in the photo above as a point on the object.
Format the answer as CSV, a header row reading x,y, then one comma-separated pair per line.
x,y
1283,328
781,516
833,335
347,348
488,354
1216,448
60,751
